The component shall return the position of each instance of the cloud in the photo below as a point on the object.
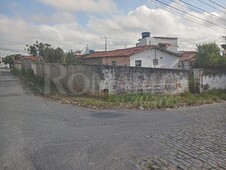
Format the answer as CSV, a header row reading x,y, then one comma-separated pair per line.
x,y
122,30
161,22
91,6
57,17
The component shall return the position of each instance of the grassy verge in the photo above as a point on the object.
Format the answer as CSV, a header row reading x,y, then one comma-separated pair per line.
x,y
133,101
143,101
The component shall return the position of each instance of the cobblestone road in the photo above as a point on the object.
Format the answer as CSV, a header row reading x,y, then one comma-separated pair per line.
x,y
200,145
36,133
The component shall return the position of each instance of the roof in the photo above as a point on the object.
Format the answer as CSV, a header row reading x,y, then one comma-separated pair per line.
x,y
187,56
33,58
127,52
17,61
165,37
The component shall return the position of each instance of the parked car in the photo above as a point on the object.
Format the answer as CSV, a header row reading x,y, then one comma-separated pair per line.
x,y
2,66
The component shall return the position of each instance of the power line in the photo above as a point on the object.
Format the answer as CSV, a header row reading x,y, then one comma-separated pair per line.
x,y
210,5
217,4
202,10
193,20
194,16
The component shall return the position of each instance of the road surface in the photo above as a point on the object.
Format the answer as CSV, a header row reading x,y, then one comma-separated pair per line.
x,y
36,133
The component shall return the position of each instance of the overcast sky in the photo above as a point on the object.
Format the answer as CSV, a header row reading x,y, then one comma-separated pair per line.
x,y
72,24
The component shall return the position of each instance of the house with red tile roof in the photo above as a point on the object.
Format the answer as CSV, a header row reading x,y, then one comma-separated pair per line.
x,y
25,62
142,56
187,60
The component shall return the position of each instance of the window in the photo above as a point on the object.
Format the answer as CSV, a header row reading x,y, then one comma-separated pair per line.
x,y
113,63
137,63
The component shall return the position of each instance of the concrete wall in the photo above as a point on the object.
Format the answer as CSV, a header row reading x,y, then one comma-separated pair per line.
x,y
26,64
134,80
165,60
208,79
17,66
115,80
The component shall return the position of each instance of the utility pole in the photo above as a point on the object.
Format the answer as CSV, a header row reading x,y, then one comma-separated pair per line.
x,y
105,38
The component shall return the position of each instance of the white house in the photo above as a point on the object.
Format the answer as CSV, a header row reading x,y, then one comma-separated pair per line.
x,y
143,56
155,57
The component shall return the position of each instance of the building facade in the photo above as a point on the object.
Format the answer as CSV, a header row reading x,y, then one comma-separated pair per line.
x,y
143,56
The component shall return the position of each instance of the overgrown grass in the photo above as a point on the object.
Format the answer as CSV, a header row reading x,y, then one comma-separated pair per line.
x,y
143,101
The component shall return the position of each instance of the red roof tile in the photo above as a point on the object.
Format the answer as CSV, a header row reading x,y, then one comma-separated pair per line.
x,y
119,52
188,56
33,58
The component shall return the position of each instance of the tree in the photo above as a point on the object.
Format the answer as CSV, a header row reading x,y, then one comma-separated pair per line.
x,y
9,59
46,52
58,54
71,57
208,55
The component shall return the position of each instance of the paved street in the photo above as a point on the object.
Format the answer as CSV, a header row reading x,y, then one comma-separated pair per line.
x,y
36,133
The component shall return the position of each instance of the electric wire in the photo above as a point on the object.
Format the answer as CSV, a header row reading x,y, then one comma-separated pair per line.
x,y
211,6
217,4
195,18
202,10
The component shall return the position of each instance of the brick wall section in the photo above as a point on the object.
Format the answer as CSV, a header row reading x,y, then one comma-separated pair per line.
x,y
116,80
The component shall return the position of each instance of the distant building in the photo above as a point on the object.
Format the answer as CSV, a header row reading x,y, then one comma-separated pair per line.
x,y
168,43
223,51
141,56
25,62
187,59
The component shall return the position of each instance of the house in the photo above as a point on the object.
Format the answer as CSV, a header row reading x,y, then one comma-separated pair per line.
x,y
25,62
141,56
168,43
187,60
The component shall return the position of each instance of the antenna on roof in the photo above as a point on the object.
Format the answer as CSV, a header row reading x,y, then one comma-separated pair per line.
x,y
106,41
87,49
